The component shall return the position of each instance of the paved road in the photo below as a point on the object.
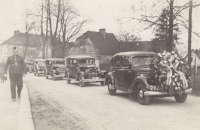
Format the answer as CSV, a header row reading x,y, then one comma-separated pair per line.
x,y
57,105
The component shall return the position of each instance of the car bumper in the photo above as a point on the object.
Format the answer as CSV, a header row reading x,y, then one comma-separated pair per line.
x,y
40,72
94,80
155,93
60,75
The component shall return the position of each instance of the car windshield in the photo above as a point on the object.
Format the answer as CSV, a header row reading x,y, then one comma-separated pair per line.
x,y
58,62
86,61
141,61
41,63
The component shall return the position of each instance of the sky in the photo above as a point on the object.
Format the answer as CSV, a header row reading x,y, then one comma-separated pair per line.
x,y
101,13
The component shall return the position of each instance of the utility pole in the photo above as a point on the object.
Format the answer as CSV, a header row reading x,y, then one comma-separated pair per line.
x,y
190,34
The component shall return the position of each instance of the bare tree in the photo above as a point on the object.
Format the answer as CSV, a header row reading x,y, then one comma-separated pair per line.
x,y
151,18
70,25
29,25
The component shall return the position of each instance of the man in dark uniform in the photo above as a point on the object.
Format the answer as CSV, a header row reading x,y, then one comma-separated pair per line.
x,y
17,69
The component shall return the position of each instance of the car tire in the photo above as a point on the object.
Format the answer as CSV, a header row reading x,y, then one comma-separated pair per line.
x,y
181,99
81,83
110,90
102,83
34,74
47,77
144,100
68,81
53,78
132,96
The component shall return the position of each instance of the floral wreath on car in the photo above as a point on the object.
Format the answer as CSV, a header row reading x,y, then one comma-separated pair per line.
x,y
169,72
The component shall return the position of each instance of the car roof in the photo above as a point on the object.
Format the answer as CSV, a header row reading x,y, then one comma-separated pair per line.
x,y
79,56
55,59
135,53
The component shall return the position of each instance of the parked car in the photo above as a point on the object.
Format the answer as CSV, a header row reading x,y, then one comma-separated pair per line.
x,y
39,67
55,68
83,69
130,73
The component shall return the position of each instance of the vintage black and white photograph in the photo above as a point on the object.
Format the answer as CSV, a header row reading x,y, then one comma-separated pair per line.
x,y
100,65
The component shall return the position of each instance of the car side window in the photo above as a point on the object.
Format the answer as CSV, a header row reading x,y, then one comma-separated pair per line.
x,y
125,62
116,62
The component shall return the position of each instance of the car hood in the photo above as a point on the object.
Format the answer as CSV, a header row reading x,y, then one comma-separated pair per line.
x,y
86,65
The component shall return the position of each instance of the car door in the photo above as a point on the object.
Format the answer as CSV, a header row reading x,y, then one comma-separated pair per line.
x,y
117,72
72,64
127,74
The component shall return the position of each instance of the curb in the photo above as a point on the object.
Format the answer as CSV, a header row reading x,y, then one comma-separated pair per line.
x,y
25,120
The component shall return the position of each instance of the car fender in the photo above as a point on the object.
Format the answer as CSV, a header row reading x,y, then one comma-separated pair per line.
x,y
136,81
111,76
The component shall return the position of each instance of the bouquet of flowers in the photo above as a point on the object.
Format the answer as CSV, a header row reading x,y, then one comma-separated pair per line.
x,y
169,72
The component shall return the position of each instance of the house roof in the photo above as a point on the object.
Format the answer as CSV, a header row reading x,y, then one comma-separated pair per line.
x,y
107,45
135,53
79,56
20,39
110,45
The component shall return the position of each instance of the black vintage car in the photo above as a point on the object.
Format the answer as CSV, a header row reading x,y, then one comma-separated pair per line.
x,y
130,73
84,70
55,68
39,67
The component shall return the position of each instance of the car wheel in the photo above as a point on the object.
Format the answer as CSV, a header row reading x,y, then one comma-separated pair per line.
x,y
47,77
102,83
68,81
110,89
144,100
81,83
53,78
34,74
132,96
180,99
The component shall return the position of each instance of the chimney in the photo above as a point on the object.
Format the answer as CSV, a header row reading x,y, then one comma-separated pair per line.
x,y
103,32
16,32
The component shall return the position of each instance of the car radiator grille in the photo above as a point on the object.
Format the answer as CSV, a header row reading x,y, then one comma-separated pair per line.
x,y
145,73
61,69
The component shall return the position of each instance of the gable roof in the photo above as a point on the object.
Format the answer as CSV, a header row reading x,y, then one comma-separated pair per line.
x,y
107,45
20,39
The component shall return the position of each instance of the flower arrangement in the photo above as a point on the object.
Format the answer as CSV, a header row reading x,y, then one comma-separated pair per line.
x,y
169,72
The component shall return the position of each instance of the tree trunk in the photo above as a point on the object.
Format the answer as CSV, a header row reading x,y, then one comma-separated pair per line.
x,y
170,39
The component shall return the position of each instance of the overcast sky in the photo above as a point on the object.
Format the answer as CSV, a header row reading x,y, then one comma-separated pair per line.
x,y
102,14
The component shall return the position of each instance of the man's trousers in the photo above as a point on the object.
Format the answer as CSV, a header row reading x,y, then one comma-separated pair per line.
x,y
16,80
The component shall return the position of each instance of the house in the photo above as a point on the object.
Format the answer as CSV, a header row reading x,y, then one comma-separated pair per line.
x,y
103,46
195,64
100,45
20,41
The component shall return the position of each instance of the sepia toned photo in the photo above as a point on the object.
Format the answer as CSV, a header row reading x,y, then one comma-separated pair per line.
x,y
99,64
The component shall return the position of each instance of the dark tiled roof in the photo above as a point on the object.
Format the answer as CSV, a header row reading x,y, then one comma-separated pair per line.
x,y
155,46
20,39
109,45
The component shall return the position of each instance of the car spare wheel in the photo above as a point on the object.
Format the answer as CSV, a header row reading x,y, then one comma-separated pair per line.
x,y
180,98
111,88
144,100
81,83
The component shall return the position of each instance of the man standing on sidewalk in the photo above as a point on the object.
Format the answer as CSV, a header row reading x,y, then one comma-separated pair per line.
x,y
17,69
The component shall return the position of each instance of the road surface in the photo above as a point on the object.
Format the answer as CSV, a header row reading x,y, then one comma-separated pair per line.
x,y
57,105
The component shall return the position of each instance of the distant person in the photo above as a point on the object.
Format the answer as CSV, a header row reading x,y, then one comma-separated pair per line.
x,y
17,69
2,65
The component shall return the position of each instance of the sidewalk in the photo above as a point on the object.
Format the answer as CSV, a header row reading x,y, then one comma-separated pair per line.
x,y
15,115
